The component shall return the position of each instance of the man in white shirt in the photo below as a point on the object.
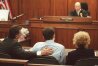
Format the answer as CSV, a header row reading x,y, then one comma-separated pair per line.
x,y
58,49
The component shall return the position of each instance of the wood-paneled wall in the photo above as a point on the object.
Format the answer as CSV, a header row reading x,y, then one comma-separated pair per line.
x,y
64,32
39,8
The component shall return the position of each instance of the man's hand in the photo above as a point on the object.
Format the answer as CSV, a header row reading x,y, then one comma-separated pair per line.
x,y
46,51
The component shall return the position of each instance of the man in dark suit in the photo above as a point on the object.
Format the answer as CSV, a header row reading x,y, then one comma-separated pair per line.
x,y
79,11
11,46
81,41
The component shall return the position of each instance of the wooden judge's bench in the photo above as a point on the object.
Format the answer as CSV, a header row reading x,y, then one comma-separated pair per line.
x,y
4,26
65,27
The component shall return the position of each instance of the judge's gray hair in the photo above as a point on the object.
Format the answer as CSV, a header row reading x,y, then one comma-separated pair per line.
x,y
77,4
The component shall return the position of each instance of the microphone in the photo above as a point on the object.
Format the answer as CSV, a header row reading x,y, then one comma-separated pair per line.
x,y
81,15
14,18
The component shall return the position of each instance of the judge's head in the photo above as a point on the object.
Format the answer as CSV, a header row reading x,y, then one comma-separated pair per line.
x,y
48,33
14,32
77,6
81,39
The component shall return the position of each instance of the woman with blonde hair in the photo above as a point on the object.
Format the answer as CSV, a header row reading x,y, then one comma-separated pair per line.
x,y
81,40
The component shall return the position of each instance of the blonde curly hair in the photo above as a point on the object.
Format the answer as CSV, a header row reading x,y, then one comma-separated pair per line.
x,y
81,37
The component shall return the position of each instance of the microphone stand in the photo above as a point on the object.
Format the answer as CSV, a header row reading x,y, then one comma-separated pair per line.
x,y
14,19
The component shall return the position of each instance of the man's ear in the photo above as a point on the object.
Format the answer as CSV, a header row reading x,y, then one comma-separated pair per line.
x,y
17,36
54,37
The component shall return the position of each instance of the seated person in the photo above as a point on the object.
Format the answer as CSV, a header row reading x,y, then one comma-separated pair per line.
x,y
79,11
81,41
11,46
58,49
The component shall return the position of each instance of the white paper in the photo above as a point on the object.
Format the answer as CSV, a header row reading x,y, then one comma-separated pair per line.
x,y
4,15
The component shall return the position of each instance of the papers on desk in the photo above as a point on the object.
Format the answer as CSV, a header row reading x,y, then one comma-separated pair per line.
x,y
4,15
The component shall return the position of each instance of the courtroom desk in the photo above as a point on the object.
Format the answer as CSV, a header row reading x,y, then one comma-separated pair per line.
x,y
64,31
95,22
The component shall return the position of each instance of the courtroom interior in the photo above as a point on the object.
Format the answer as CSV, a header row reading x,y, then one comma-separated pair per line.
x,y
48,32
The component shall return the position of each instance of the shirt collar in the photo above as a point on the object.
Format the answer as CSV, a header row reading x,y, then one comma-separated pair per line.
x,y
49,41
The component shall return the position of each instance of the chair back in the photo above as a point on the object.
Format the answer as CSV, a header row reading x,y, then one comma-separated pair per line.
x,y
84,6
87,62
44,60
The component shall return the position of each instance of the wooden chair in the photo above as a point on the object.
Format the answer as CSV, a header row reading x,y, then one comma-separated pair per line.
x,y
13,62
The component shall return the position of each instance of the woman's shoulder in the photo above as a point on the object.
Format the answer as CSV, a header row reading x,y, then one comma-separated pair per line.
x,y
89,49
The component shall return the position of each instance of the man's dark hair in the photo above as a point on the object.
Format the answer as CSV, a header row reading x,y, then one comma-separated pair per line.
x,y
48,33
13,31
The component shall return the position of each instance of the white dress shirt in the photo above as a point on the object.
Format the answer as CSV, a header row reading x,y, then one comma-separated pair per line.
x,y
58,49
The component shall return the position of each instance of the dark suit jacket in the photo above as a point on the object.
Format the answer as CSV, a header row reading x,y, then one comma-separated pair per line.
x,y
79,53
84,13
14,49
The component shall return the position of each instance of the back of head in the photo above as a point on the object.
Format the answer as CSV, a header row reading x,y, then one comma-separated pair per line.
x,y
48,33
13,31
81,39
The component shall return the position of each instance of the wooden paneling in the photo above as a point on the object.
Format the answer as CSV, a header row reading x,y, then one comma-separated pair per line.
x,y
4,26
65,36
94,36
36,8
60,8
64,31
97,9
36,35
39,8
14,6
